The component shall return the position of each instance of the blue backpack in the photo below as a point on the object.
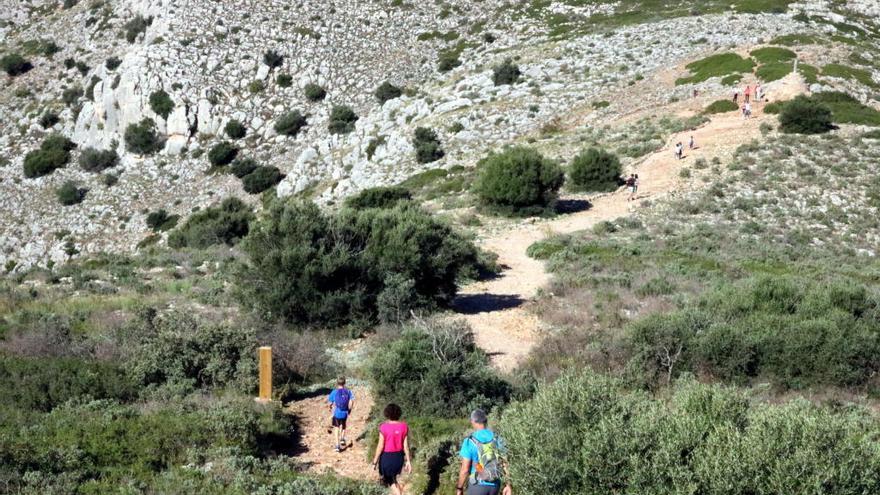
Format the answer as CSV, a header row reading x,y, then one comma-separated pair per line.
x,y
341,399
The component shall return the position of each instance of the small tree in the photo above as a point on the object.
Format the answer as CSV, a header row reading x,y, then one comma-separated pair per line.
x,y
342,119
273,59
518,181
160,220
49,119
378,197
54,153
594,170
262,178
95,160
112,63
805,116
136,26
506,73
70,193
427,145
226,224
243,166
447,60
387,91
222,154
314,92
290,123
161,103
141,138
284,80
14,64
235,129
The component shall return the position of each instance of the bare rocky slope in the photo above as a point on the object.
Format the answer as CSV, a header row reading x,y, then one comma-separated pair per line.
x,y
208,56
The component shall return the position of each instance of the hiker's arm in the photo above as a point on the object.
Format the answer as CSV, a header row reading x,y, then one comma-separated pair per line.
x,y
463,473
406,454
379,448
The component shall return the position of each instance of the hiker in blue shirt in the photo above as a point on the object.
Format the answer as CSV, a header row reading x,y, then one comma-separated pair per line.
x,y
481,465
341,402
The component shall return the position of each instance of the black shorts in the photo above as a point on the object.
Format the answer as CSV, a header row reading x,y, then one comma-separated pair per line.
x,y
483,490
339,423
390,466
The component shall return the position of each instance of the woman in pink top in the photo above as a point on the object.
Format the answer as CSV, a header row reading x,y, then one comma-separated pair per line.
x,y
392,452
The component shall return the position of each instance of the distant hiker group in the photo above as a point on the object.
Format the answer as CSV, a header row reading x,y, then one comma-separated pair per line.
x,y
481,471
746,108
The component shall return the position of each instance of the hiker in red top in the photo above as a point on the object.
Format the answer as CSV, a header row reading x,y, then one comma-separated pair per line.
x,y
747,92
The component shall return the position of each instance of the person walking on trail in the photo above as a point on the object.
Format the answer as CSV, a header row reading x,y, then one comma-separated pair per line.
x,y
736,96
691,143
392,452
746,93
635,188
630,185
679,150
341,402
759,93
481,464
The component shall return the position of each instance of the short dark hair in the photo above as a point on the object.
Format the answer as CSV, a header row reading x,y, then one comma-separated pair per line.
x,y
393,412
340,381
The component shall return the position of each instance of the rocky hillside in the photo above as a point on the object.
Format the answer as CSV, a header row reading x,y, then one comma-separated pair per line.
x,y
96,68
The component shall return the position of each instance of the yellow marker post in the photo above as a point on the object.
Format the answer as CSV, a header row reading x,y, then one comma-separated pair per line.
x,y
265,374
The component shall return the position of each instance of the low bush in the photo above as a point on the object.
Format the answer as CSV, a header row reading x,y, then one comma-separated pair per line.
x,y
435,369
142,138
314,92
448,60
70,96
387,91
378,197
506,73
135,27
774,107
709,439
847,110
70,193
771,54
284,80
518,180
261,179
234,129
774,71
718,65
342,119
222,154
112,63
161,103
721,106
95,160
595,170
805,116
330,269
13,64
49,119
160,220
243,166
54,153
226,223
290,123
273,59
427,145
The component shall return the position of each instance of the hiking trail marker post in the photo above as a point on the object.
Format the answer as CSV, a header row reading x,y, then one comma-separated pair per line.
x,y
265,354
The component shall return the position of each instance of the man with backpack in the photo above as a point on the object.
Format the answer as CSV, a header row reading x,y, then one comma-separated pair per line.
x,y
481,465
341,403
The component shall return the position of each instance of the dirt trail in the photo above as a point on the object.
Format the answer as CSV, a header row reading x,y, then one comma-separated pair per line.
x,y
314,447
494,308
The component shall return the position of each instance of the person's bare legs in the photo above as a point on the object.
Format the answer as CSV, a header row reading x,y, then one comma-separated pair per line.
x,y
397,488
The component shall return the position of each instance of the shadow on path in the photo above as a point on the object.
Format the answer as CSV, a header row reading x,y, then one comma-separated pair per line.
x,y
567,206
471,304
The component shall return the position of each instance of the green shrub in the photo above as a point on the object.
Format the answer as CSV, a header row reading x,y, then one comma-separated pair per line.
x,y
448,60
95,160
43,383
804,116
772,54
112,63
595,170
342,119
314,92
709,439
718,65
262,178
243,166
222,154
506,73
142,138
256,87
518,181
14,64
387,91
862,76
427,145
235,129
847,110
436,370
329,269
721,106
160,220
774,107
70,96
290,123
774,71
284,80
54,153
161,103
70,193
49,119
273,59
136,26
378,197
226,223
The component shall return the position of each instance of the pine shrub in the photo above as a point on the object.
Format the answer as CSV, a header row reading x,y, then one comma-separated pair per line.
x,y
518,181
262,178
160,220
378,197
70,193
290,123
594,170
805,116
54,153
235,129
273,59
222,154
226,223
506,73
314,92
342,119
161,103
14,64
243,166
95,160
142,138
387,91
